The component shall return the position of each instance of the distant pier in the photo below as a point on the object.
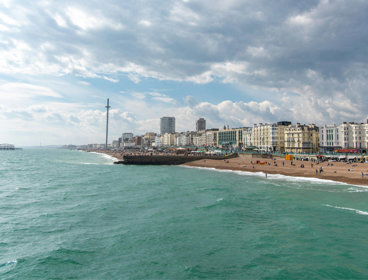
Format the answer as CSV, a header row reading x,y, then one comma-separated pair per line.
x,y
7,147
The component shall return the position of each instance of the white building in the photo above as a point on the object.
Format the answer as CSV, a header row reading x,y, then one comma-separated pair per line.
x,y
157,142
168,139
269,137
345,136
330,137
247,137
199,139
182,139
211,137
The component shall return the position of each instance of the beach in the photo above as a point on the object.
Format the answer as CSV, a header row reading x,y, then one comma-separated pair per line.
x,y
350,173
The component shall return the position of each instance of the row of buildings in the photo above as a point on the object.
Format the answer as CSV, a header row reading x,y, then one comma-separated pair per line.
x,y
276,137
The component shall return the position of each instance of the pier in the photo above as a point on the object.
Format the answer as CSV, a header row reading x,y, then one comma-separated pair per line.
x,y
7,147
169,159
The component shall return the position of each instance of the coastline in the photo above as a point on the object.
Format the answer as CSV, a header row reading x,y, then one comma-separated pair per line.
x,y
332,171
337,172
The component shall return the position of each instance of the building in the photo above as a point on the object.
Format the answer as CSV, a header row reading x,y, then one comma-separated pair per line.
x,y
157,142
199,139
138,140
211,137
269,137
115,144
127,137
281,127
329,138
229,138
182,139
168,139
359,133
264,137
167,125
247,137
302,139
201,124
149,139
344,136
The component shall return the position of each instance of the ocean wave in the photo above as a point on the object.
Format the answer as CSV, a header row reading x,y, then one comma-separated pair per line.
x,y
5,267
106,156
274,176
357,211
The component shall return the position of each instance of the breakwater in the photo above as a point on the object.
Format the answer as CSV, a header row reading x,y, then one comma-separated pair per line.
x,y
168,159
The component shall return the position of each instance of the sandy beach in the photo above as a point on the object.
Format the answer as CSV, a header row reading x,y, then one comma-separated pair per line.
x,y
336,171
350,173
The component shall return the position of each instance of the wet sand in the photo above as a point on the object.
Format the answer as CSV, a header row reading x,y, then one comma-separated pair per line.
x,y
339,171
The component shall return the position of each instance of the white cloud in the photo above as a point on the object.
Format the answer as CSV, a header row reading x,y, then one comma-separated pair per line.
x,y
8,20
22,90
298,62
257,51
180,13
146,23
60,21
86,21
302,20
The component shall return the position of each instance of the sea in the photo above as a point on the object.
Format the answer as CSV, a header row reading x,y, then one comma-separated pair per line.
x,y
75,215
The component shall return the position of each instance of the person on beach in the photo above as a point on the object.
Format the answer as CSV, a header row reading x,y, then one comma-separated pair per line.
x,y
266,174
362,175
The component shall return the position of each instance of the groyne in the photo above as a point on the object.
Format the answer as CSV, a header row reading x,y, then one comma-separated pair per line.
x,y
169,159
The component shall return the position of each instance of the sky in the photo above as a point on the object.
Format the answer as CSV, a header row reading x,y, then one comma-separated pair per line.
x,y
233,62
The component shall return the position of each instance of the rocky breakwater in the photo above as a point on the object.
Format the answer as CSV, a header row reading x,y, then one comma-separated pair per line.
x,y
169,159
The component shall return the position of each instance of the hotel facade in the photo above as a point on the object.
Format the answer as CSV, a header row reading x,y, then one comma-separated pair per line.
x,y
344,136
302,139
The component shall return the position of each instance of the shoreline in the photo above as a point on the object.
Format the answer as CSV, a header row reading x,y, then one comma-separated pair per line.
x,y
338,172
332,171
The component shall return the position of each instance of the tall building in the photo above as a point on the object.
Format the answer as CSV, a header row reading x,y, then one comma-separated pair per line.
x,y
167,125
201,124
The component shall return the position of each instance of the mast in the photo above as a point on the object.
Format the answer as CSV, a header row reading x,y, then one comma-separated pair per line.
x,y
107,121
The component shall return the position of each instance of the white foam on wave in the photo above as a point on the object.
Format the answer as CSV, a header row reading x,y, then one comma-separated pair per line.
x,y
357,211
358,188
5,267
279,177
106,156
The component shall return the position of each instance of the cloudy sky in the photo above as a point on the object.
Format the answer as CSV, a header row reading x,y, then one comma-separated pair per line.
x,y
235,62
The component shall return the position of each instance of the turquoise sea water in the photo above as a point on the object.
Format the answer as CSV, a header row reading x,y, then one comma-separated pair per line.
x,y
75,215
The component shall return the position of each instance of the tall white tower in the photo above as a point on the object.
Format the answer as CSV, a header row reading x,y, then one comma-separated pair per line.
x,y
107,121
